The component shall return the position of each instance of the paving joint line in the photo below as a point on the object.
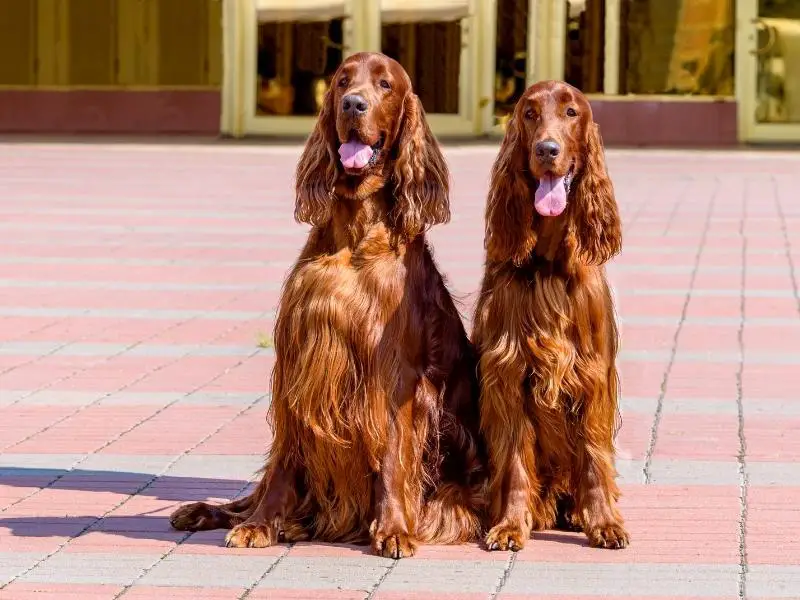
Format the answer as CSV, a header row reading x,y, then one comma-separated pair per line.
x,y
675,207
249,590
135,425
106,359
136,492
512,560
189,534
39,357
382,578
651,446
741,456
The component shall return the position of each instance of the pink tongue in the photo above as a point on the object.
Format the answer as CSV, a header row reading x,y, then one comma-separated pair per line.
x,y
550,199
355,155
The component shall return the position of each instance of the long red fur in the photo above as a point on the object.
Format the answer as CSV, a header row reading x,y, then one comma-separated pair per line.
x,y
546,333
374,390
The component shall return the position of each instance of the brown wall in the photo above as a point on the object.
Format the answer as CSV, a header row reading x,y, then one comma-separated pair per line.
x,y
623,122
659,123
112,111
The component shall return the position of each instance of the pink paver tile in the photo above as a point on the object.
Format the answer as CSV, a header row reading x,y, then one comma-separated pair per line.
x,y
773,525
53,591
698,437
86,431
708,338
634,435
770,381
146,592
405,595
713,280
535,596
773,308
703,380
310,594
647,337
770,338
642,378
713,306
687,524
173,431
20,422
185,374
155,543
772,438
246,434
651,306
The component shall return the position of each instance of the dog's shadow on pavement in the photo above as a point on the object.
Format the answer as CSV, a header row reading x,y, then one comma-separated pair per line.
x,y
130,505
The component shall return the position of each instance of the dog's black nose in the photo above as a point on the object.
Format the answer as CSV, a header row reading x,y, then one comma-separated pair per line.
x,y
547,150
354,105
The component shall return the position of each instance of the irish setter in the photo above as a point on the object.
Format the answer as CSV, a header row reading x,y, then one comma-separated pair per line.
x,y
545,327
374,390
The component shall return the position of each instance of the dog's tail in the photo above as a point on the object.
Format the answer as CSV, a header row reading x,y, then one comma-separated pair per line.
x,y
453,515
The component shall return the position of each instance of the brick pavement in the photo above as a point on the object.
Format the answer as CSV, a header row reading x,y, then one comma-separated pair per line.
x,y
135,282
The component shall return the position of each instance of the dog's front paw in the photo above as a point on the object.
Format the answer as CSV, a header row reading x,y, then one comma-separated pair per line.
x,y
505,537
392,543
609,535
253,535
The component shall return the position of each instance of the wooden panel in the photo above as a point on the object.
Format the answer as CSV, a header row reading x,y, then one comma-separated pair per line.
x,y
183,42
18,40
92,42
131,31
214,75
52,42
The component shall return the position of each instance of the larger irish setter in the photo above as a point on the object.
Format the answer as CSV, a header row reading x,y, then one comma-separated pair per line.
x,y
545,326
374,390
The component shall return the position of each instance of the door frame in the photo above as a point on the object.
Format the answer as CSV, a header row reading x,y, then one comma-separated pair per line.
x,y
746,77
361,32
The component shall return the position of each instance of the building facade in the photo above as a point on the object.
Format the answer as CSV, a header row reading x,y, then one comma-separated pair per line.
x,y
658,72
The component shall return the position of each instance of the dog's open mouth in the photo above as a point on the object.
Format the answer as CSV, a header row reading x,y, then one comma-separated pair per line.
x,y
356,155
551,195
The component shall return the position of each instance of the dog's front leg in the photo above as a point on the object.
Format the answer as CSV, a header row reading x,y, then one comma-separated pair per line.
x,y
398,487
596,491
277,499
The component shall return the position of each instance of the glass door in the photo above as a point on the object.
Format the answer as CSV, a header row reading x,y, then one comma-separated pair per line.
x,y
768,77
290,49
437,42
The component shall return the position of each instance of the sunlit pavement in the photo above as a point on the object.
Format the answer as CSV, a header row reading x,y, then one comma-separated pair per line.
x,y
136,283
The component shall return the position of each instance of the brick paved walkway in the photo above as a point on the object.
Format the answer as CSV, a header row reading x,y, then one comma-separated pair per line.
x,y
134,285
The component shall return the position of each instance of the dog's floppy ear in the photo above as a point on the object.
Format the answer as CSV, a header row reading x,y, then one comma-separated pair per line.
x,y
595,223
509,209
318,169
421,178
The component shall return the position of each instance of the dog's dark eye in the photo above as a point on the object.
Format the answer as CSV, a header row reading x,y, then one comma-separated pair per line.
x,y
529,114
343,82
385,84
571,112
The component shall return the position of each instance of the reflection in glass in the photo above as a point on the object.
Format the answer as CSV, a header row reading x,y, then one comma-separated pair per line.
x,y
778,57
295,64
677,47
431,54
585,45
511,58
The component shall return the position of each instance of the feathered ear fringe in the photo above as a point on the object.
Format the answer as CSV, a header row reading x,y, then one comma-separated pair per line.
x,y
317,170
509,209
596,224
420,177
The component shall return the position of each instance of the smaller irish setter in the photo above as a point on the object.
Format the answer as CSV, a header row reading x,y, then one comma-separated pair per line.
x,y
545,326
374,390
